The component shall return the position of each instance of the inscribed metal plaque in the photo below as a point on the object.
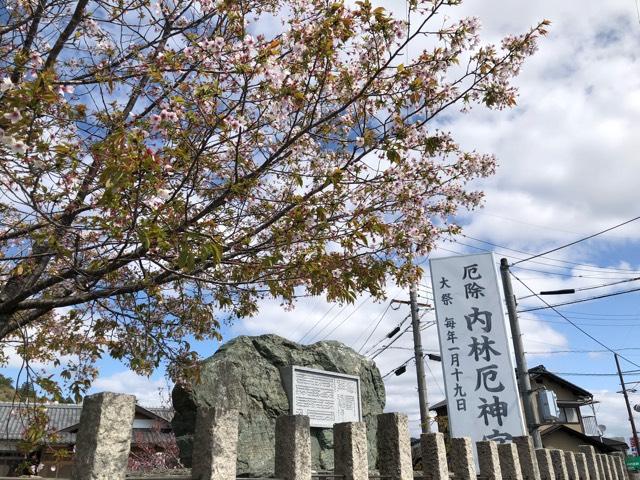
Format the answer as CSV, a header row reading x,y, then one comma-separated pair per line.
x,y
482,396
325,397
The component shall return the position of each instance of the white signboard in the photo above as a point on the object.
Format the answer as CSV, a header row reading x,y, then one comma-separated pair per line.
x,y
325,397
482,396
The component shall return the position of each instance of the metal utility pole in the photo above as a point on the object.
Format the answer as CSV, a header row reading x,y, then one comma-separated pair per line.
x,y
626,399
522,372
419,357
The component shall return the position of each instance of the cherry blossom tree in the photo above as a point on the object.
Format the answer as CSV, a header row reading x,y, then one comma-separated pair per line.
x,y
166,164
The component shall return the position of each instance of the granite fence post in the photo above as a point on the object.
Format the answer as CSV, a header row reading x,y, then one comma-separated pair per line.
x,y
293,448
527,456
103,441
592,461
623,473
545,464
559,465
572,466
612,467
602,468
509,462
215,444
488,460
350,450
394,446
462,465
607,466
581,463
434,456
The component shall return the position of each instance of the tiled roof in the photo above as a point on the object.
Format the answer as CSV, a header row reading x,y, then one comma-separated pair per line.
x,y
13,421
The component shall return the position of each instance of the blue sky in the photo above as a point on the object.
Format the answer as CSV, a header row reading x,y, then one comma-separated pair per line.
x,y
568,168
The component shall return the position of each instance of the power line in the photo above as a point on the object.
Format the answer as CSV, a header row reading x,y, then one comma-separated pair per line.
x,y
374,328
316,324
582,374
551,352
348,316
594,287
577,241
533,309
589,268
572,323
397,368
391,334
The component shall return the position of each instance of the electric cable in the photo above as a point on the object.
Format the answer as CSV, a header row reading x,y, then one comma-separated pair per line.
x,y
317,323
577,241
374,328
347,317
572,323
594,287
607,295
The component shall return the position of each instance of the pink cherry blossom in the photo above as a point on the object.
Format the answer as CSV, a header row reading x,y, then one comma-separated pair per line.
x,y
14,116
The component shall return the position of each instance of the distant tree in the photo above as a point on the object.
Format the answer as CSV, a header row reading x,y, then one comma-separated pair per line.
x,y
5,382
166,165
27,391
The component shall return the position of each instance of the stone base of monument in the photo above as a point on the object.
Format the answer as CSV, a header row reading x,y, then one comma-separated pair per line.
x,y
245,374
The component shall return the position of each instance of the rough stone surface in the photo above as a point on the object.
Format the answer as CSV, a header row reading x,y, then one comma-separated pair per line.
x,y
545,464
528,460
572,467
606,468
244,375
559,465
592,461
462,464
215,444
581,462
623,474
350,450
293,448
104,438
394,446
601,467
489,460
509,462
434,456
612,467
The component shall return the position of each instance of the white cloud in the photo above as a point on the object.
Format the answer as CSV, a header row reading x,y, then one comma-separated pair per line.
x,y
149,392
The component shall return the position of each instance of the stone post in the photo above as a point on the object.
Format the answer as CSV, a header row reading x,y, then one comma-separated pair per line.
x,y
623,474
607,467
559,465
462,465
103,441
215,444
572,467
612,468
602,468
509,462
350,450
293,448
488,460
545,464
581,463
592,461
394,446
527,456
434,456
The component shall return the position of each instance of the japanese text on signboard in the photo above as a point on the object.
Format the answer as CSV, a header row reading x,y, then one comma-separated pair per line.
x,y
482,397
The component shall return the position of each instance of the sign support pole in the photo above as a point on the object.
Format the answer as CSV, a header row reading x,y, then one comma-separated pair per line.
x,y
425,425
524,382
626,399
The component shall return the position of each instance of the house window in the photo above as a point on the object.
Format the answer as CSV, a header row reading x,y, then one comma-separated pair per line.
x,y
569,415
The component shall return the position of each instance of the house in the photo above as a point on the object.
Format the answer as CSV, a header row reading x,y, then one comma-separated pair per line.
x,y
151,426
576,425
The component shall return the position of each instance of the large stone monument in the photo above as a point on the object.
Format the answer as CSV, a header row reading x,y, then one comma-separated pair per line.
x,y
245,374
